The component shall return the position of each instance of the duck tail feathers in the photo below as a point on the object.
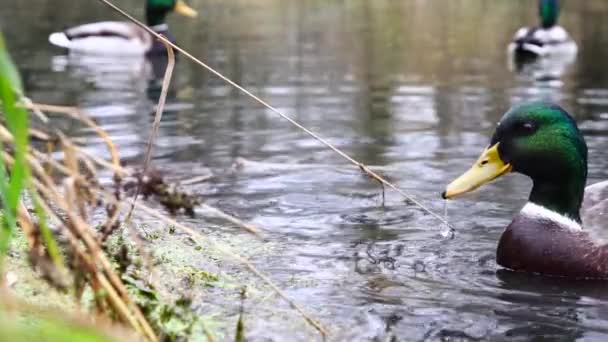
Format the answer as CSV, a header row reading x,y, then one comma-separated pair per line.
x,y
60,39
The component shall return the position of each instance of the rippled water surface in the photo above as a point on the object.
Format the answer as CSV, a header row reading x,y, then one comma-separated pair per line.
x,y
412,88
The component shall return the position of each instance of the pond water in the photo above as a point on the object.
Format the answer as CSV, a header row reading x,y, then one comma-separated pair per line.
x,y
412,88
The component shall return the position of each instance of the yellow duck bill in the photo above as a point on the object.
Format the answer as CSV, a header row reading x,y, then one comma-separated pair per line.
x,y
182,8
488,167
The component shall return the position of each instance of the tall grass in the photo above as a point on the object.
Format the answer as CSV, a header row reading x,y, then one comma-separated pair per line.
x,y
13,181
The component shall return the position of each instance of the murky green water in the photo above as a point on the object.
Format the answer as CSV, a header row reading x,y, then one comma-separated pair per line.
x,y
412,87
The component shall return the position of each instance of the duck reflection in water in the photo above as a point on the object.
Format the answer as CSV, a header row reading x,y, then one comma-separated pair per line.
x,y
549,307
132,75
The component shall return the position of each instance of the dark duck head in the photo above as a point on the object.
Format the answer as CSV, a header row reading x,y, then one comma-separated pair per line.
x,y
156,16
157,10
548,11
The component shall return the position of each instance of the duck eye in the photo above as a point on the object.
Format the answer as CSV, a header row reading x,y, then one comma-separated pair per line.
x,y
526,128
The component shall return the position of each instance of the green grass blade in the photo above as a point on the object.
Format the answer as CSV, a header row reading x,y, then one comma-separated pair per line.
x,y
8,215
8,69
11,187
37,328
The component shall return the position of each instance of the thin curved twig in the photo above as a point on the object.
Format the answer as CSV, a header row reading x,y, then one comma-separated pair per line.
x,y
157,117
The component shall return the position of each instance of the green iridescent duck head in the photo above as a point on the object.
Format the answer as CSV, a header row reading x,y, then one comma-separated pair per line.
x,y
548,11
157,10
542,141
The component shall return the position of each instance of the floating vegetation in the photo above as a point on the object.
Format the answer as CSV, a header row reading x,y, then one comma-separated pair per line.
x,y
153,185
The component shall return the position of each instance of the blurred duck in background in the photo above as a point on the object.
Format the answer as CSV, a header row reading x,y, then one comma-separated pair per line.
x,y
122,38
119,61
546,40
111,55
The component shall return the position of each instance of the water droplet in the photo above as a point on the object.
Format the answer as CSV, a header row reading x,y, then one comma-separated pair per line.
x,y
448,230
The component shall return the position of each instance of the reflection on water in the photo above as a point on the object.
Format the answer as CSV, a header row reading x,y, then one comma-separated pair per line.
x,y
546,69
412,87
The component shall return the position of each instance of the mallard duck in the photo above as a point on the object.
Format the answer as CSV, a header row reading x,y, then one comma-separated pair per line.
x,y
542,141
122,38
546,39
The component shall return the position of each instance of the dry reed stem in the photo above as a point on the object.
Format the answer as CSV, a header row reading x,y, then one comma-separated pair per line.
x,y
73,196
117,169
196,180
75,113
317,137
157,117
247,226
41,116
161,104
25,222
37,134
